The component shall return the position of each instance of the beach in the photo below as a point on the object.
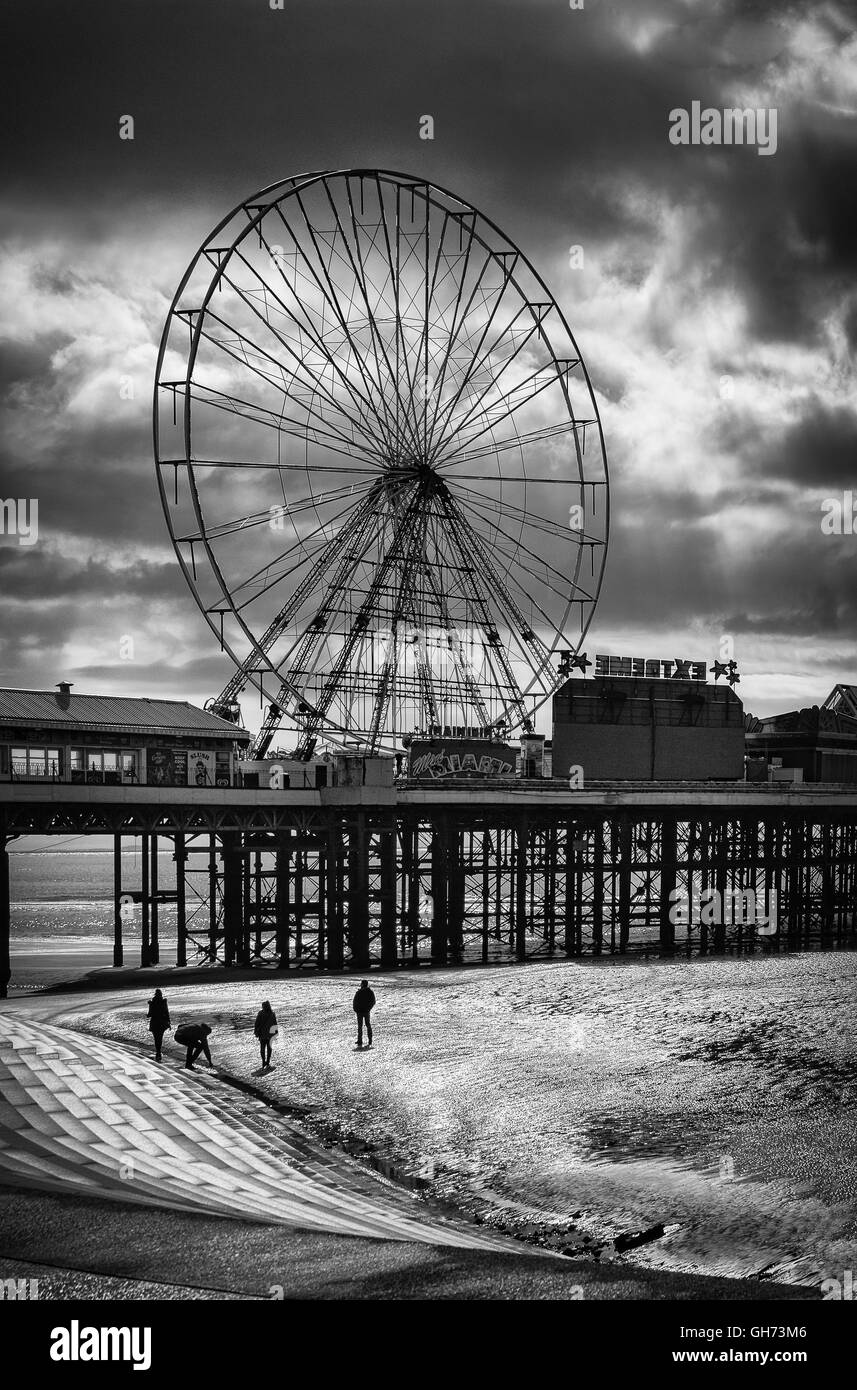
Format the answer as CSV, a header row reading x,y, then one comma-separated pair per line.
x,y
580,1103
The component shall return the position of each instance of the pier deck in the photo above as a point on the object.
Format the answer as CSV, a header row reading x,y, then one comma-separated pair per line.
x,y
464,870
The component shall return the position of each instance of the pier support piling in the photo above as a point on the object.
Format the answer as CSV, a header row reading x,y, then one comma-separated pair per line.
x,y
5,917
118,950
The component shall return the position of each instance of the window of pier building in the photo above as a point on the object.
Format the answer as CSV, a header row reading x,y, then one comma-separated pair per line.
x,y
107,766
31,763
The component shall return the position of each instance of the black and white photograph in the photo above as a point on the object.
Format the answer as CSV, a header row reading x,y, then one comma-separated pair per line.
x,y
428,677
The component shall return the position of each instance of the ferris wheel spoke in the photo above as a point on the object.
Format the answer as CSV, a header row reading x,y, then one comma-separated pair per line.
x,y
416,379
529,577
294,427
310,378
407,418
442,357
347,557
424,354
330,296
493,523
358,268
423,351
507,272
465,547
452,426
326,543
370,605
519,441
455,324
313,380
508,404
538,522
395,303
405,607
252,519
282,467
349,541
479,363
326,297
495,583
270,419
466,679
312,383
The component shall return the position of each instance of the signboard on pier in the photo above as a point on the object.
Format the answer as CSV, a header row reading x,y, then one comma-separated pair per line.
x,y
645,669
461,757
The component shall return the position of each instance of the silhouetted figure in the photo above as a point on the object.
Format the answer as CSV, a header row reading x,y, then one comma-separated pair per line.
x,y
265,1029
194,1036
159,1020
364,1003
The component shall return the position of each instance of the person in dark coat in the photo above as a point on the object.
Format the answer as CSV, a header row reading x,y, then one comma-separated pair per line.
x,y
159,1020
265,1029
364,1003
196,1036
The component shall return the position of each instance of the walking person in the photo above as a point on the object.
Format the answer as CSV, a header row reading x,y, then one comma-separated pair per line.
x,y
364,1003
159,1021
265,1029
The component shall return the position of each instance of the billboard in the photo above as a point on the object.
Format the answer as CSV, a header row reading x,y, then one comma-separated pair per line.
x,y
162,769
461,757
201,767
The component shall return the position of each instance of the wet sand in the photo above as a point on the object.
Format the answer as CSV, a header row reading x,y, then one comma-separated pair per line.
x,y
41,962
583,1101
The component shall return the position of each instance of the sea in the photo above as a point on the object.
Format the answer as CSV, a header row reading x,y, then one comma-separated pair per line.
x,y
62,907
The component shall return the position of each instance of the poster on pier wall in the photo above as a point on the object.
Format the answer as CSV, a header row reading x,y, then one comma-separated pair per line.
x,y
461,758
201,767
160,767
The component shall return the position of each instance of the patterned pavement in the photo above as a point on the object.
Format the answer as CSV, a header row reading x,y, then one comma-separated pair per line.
x,y
80,1114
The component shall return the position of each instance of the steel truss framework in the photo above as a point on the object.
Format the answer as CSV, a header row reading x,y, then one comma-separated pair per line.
x,y
347,888
371,424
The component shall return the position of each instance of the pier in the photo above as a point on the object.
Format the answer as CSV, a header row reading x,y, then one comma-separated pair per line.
x,y
421,873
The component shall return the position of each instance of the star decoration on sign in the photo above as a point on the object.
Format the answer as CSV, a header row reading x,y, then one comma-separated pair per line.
x,y
569,662
729,669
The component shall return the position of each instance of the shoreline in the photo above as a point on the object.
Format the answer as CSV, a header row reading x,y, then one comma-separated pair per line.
x,y
581,1265
585,1215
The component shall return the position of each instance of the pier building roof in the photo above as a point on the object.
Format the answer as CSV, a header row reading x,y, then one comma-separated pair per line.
x,y
51,709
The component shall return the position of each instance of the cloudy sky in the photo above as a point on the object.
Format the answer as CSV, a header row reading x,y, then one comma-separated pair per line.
x,y
716,306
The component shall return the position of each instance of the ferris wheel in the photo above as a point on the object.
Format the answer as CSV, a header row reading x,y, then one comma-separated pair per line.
x,y
381,463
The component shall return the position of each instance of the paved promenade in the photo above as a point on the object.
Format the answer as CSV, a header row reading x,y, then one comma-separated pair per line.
x,y
86,1116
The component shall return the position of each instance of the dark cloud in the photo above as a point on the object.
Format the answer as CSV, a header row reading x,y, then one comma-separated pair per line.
x,y
819,451
554,122
37,572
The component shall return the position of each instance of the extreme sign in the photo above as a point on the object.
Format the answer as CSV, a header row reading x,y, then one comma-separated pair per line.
x,y
650,670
